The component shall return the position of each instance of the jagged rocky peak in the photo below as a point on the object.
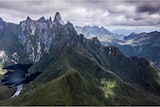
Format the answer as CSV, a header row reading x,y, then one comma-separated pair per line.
x,y
42,20
69,28
81,38
36,36
96,41
57,18
50,19
112,50
40,36
28,19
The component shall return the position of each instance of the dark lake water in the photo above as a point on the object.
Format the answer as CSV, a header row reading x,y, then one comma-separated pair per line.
x,y
16,76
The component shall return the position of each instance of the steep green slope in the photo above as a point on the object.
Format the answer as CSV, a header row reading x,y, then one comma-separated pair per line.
x,y
10,45
5,92
75,78
136,71
69,89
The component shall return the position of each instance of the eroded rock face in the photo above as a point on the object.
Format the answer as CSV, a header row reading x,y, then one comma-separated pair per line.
x,y
36,37
58,19
3,56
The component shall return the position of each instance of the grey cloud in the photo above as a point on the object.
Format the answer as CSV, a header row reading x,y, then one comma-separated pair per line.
x,y
31,6
138,18
99,12
149,7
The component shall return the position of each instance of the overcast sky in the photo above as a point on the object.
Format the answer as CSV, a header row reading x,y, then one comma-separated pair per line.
x,y
112,14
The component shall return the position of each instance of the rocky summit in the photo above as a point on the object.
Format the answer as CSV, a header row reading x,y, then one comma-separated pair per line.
x,y
73,70
32,38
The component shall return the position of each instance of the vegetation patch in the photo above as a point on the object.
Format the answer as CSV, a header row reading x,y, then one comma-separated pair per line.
x,y
2,71
107,87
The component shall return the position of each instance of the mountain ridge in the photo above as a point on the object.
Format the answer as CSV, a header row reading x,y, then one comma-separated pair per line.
x,y
33,38
80,71
102,33
142,45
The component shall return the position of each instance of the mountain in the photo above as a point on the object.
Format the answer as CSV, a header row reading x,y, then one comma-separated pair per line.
x,y
143,45
100,32
127,32
30,40
78,71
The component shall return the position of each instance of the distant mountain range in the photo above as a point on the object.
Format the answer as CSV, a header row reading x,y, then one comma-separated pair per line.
x,y
102,33
74,70
143,44
127,32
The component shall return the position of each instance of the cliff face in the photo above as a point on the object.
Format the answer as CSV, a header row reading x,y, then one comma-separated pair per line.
x,y
34,38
